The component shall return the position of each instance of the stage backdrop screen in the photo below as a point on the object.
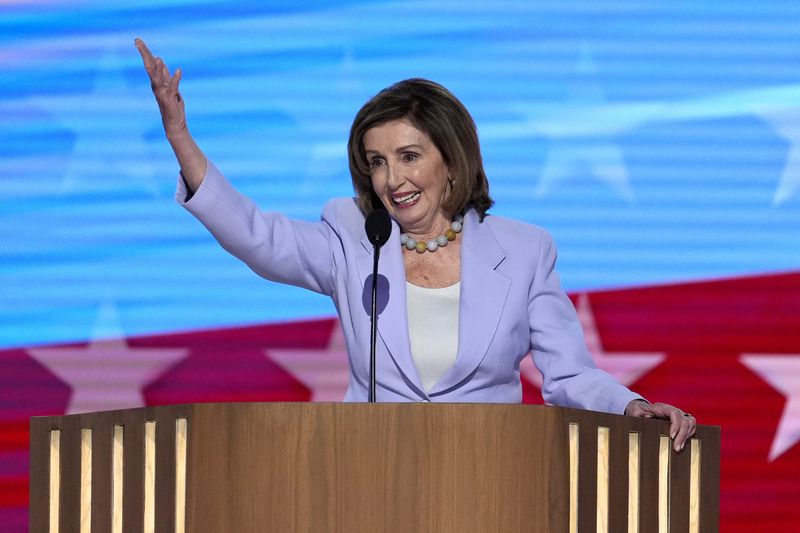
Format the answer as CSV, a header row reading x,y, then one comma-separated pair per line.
x,y
657,141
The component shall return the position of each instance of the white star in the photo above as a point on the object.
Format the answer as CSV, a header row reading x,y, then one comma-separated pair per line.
x,y
106,374
576,149
325,371
625,367
110,122
787,123
783,373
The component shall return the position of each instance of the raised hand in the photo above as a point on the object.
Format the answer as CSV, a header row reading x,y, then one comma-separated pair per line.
x,y
173,116
165,89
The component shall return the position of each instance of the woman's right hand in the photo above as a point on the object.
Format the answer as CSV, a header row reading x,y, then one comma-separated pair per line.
x,y
173,116
165,89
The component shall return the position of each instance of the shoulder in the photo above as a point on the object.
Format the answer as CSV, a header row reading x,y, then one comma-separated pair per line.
x,y
342,211
513,234
344,217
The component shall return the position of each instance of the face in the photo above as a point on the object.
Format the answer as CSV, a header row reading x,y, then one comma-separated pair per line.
x,y
409,176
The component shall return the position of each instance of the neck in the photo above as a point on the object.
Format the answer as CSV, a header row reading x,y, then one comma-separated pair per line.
x,y
424,234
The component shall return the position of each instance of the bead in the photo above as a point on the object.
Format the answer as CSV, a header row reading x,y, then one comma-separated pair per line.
x,y
434,244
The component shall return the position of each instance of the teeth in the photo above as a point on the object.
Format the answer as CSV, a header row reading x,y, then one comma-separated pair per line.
x,y
407,198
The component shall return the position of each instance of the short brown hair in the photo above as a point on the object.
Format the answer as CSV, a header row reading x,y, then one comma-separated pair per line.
x,y
434,110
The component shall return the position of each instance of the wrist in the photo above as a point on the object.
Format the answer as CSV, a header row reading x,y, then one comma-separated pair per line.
x,y
632,403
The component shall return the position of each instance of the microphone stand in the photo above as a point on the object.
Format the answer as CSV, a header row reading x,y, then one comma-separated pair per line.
x,y
373,323
378,227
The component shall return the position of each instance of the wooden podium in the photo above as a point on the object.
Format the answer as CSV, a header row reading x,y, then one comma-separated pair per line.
x,y
410,468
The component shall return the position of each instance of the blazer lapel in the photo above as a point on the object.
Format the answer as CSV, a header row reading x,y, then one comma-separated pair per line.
x,y
393,318
483,295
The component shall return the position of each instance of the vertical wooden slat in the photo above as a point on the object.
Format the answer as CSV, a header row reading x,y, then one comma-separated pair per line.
x,y
680,466
587,485
664,447
574,436
648,488
133,478
86,480
70,456
709,479
165,470
181,430
634,479
55,481
694,486
117,478
603,443
618,479
102,441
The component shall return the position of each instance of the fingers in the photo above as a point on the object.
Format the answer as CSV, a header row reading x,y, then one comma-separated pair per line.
x,y
172,88
164,71
147,57
682,425
685,431
156,69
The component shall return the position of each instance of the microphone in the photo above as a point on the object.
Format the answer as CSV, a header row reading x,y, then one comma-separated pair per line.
x,y
378,227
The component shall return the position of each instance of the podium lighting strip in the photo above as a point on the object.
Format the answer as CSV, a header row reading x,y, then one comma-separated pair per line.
x,y
573,478
694,487
149,477
633,482
603,451
663,484
86,480
180,475
116,479
55,479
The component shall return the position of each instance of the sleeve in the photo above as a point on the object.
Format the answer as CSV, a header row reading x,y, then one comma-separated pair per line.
x,y
570,377
272,245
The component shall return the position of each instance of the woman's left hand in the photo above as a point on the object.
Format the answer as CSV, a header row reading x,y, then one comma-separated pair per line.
x,y
682,425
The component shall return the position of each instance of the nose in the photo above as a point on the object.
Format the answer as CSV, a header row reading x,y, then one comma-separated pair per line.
x,y
394,176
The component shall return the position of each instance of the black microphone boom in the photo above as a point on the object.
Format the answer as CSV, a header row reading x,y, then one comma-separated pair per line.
x,y
378,227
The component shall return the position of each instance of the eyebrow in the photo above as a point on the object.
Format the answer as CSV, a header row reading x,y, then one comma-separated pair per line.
x,y
398,150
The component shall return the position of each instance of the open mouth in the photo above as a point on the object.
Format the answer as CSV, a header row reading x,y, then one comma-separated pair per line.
x,y
406,199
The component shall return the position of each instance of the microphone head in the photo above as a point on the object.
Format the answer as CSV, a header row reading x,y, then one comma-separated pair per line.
x,y
378,227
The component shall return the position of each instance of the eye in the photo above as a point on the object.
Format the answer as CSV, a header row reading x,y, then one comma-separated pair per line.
x,y
376,162
410,157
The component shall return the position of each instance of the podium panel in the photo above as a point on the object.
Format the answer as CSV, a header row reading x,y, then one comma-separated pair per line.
x,y
335,467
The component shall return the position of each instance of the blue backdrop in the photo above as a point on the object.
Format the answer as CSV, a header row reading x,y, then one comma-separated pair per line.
x,y
658,141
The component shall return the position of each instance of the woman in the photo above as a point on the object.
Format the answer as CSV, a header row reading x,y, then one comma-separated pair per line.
x,y
463,296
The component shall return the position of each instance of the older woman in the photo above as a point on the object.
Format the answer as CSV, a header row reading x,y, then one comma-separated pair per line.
x,y
464,296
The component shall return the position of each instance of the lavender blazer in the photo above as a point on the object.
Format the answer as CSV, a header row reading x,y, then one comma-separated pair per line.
x,y
511,301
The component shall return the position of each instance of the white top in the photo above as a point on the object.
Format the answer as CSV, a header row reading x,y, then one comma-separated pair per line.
x,y
433,329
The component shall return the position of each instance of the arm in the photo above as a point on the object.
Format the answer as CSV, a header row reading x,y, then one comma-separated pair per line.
x,y
279,249
272,245
173,116
571,378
